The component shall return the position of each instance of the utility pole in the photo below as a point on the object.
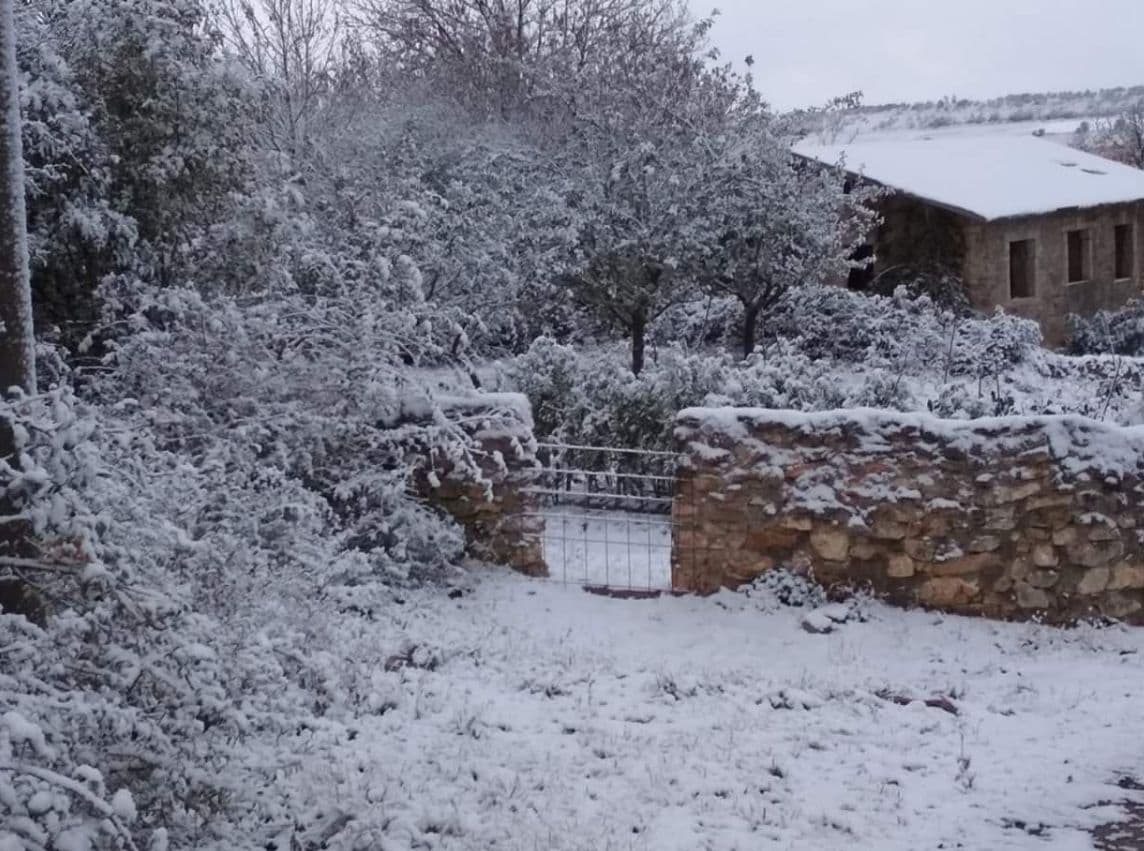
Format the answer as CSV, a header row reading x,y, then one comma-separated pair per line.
x,y
17,343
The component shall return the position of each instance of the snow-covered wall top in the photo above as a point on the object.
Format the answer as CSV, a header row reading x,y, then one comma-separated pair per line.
x,y
988,177
1080,446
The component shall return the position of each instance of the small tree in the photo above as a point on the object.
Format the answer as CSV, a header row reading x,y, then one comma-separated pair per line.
x,y
777,222
291,48
1120,138
628,291
638,157
17,344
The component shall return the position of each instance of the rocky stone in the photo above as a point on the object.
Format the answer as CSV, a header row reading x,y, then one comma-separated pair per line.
x,y
888,529
1121,606
831,543
818,623
1103,532
1096,554
900,566
1029,597
797,522
1043,579
985,544
1000,519
921,549
1126,576
1045,556
964,566
772,539
1006,494
1065,537
1094,581
1004,584
947,592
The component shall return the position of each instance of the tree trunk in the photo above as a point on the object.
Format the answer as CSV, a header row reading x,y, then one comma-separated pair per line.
x,y
750,324
17,347
639,330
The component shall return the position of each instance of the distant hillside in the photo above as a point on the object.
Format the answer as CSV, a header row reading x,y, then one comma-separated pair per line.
x,y
1047,106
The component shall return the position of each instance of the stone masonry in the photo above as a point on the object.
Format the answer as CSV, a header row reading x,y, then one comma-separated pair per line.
x,y
1008,518
985,266
500,517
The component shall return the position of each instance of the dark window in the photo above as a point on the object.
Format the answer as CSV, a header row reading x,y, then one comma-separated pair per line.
x,y
861,277
1078,256
1021,280
1125,253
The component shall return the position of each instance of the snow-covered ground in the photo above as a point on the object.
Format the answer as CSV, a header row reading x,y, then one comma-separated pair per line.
x,y
530,715
616,549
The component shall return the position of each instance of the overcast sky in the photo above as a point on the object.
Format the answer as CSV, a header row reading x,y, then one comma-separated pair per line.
x,y
807,51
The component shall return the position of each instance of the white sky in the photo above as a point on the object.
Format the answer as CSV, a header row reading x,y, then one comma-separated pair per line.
x,y
807,51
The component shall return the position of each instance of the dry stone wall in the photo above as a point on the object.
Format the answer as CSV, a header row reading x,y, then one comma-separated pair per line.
x,y
487,489
1009,518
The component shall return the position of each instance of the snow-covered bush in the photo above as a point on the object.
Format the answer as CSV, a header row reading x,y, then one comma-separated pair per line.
x,y
296,392
235,487
705,323
828,348
1119,332
785,587
592,397
900,332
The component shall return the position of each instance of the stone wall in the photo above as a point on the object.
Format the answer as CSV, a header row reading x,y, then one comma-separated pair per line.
x,y
986,265
500,517
917,234
1009,518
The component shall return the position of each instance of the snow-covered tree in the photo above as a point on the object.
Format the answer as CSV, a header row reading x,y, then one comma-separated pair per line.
x,y
1120,138
75,234
177,126
502,57
291,47
640,145
778,222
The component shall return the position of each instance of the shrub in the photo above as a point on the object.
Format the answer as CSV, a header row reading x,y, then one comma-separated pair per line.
x,y
233,488
901,333
1118,332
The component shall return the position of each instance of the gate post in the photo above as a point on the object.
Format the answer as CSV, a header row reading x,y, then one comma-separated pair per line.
x,y
500,515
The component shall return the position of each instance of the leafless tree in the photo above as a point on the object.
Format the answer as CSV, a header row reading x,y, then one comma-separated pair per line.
x,y
503,56
1120,138
17,345
292,48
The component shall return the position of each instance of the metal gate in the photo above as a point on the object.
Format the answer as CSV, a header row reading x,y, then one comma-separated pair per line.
x,y
607,516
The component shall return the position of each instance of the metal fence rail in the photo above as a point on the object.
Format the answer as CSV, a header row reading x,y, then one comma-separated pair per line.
x,y
607,516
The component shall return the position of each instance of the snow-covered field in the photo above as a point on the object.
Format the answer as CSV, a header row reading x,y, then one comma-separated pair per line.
x,y
608,548
531,715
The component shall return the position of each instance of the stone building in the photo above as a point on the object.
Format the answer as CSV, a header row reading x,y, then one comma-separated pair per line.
x,y
1035,227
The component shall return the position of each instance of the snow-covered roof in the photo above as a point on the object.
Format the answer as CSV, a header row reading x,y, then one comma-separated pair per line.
x,y
989,176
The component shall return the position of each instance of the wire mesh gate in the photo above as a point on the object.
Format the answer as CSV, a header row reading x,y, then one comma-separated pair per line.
x,y
606,516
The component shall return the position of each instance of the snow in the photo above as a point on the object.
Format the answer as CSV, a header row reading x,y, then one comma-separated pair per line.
x,y
561,720
986,176
123,805
21,731
608,548
1078,444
